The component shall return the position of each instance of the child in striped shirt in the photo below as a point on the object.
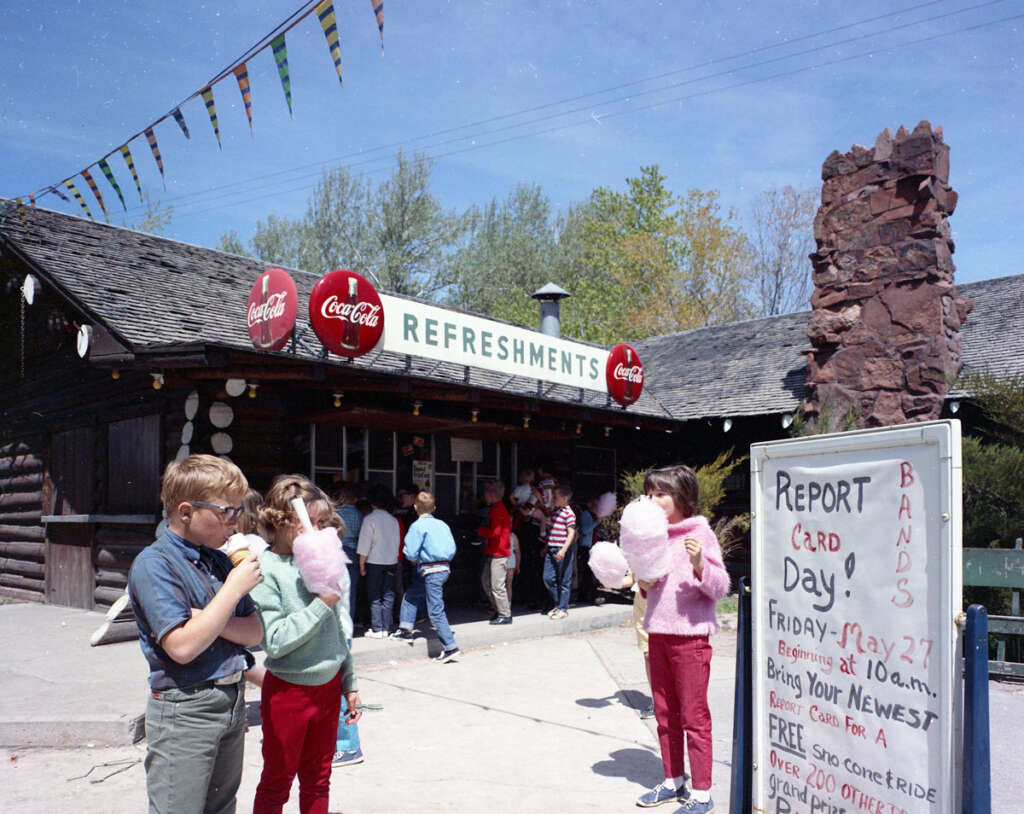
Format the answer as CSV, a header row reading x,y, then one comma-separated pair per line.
x,y
560,552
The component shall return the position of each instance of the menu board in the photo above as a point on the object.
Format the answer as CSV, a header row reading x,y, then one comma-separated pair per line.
x,y
857,583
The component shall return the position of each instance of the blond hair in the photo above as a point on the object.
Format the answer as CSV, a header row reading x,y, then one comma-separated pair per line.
x,y
200,477
425,503
277,510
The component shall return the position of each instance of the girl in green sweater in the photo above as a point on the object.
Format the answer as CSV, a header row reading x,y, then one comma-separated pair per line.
x,y
309,666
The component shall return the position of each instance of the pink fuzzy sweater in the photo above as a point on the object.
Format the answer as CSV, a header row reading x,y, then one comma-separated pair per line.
x,y
680,604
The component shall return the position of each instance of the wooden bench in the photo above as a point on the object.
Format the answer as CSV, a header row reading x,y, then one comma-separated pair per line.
x,y
999,568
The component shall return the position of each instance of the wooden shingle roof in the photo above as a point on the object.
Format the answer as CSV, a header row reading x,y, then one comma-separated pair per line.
x,y
154,293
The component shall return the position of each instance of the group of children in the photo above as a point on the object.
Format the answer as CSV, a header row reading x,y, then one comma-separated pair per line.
x,y
197,617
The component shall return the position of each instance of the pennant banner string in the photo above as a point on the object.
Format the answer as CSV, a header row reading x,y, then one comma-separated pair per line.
x,y
275,39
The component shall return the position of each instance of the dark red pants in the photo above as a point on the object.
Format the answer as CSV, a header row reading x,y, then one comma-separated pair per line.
x,y
680,669
299,728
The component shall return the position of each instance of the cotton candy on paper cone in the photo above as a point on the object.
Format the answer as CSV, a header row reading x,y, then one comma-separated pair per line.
x,y
608,564
320,560
643,535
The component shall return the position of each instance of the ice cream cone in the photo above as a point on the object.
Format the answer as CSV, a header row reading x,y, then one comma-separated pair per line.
x,y
238,555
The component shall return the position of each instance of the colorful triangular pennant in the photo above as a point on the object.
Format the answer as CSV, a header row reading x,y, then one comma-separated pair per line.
x,y
242,75
325,11
181,121
59,194
211,108
378,12
78,196
281,58
95,191
103,165
151,138
131,165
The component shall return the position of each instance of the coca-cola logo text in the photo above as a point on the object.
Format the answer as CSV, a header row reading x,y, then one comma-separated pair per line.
x,y
272,308
360,313
633,374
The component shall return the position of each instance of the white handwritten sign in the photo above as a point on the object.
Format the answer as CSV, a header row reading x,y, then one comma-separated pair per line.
x,y
856,557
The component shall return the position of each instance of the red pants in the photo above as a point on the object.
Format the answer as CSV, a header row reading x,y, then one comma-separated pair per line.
x,y
680,669
299,728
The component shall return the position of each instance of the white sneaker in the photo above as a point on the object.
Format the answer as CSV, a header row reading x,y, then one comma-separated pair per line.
x,y
559,614
375,634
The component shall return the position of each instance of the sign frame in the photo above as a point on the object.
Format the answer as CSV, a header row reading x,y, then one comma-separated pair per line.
x,y
940,439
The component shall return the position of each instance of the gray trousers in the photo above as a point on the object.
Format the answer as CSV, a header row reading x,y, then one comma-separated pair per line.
x,y
194,743
493,579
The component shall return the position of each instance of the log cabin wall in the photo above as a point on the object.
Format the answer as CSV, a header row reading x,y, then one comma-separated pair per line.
x,y
22,538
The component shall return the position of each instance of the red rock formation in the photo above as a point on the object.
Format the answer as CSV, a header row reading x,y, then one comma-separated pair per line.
x,y
885,324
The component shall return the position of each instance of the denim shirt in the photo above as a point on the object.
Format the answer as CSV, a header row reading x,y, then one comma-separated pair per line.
x,y
353,519
429,540
169,578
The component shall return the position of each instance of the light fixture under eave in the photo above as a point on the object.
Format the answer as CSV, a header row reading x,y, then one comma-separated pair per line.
x,y
526,422
158,380
727,425
29,288
474,416
115,373
787,419
607,431
954,407
416,405
253,387
337,398
579,429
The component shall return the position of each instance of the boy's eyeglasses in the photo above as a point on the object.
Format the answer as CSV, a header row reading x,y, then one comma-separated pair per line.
x,y
230,512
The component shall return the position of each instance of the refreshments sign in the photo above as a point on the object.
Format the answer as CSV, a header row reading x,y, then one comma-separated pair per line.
x,y
856,553
346,313
273,303
624,374
420,329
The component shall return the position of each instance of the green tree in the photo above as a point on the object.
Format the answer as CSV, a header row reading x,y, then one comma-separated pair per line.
x,y
231,243
155,219
395,234
508,247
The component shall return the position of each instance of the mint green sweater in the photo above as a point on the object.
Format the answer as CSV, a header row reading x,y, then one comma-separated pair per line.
x,y
302,637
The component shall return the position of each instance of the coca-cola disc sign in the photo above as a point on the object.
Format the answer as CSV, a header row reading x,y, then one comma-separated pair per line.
x,y
624,374
273,303
346,313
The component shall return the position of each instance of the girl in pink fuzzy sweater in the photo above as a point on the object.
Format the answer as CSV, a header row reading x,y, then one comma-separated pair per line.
x,y
680,617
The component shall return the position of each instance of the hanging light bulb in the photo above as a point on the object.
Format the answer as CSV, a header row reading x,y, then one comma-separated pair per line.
x,y
526,421
337,398
158,380
475,416
252,389
115,373
416,407
727,425
579,429
787,419
607,431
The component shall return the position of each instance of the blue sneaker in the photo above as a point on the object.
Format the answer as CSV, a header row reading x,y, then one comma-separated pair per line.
x,y
692,806
660,794
348,758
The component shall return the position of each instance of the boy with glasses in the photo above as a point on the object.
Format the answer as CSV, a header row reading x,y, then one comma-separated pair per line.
x,y
195,619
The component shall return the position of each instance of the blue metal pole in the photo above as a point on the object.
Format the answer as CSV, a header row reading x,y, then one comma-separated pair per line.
x,y
977,772
741,792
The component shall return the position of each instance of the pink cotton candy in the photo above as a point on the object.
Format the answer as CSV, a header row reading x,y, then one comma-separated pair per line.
x,y
608,564
605,505
320,560
643,535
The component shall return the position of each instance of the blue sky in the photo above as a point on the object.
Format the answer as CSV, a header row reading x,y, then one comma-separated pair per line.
x,y
78,78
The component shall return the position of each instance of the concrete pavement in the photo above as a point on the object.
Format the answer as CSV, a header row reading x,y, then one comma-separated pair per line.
x,y
533,724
